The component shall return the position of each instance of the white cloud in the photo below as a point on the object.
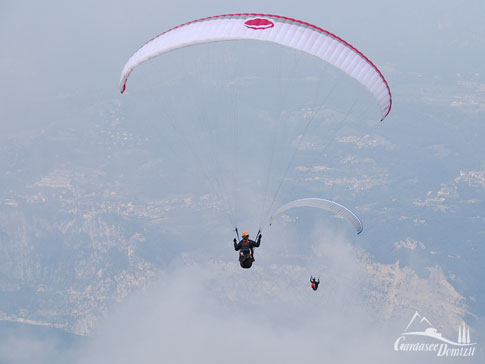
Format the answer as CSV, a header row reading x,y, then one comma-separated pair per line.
x,y
217,312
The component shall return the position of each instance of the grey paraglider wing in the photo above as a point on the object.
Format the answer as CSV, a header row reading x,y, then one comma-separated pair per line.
x,y
328,205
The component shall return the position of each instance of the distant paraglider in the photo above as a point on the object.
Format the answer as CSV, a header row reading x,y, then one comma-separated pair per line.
x,y
328,205
314,283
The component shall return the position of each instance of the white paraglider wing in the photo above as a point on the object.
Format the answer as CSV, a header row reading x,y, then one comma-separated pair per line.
x,y
288,32
328,205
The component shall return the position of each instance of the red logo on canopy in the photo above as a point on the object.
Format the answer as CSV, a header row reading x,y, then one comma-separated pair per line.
x,y
258,23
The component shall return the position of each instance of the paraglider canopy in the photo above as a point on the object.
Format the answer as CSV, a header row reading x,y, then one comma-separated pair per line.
x,y
328,205
285,31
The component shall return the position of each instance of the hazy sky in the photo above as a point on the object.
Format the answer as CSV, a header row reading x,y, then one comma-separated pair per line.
x,y
53,50
58,57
